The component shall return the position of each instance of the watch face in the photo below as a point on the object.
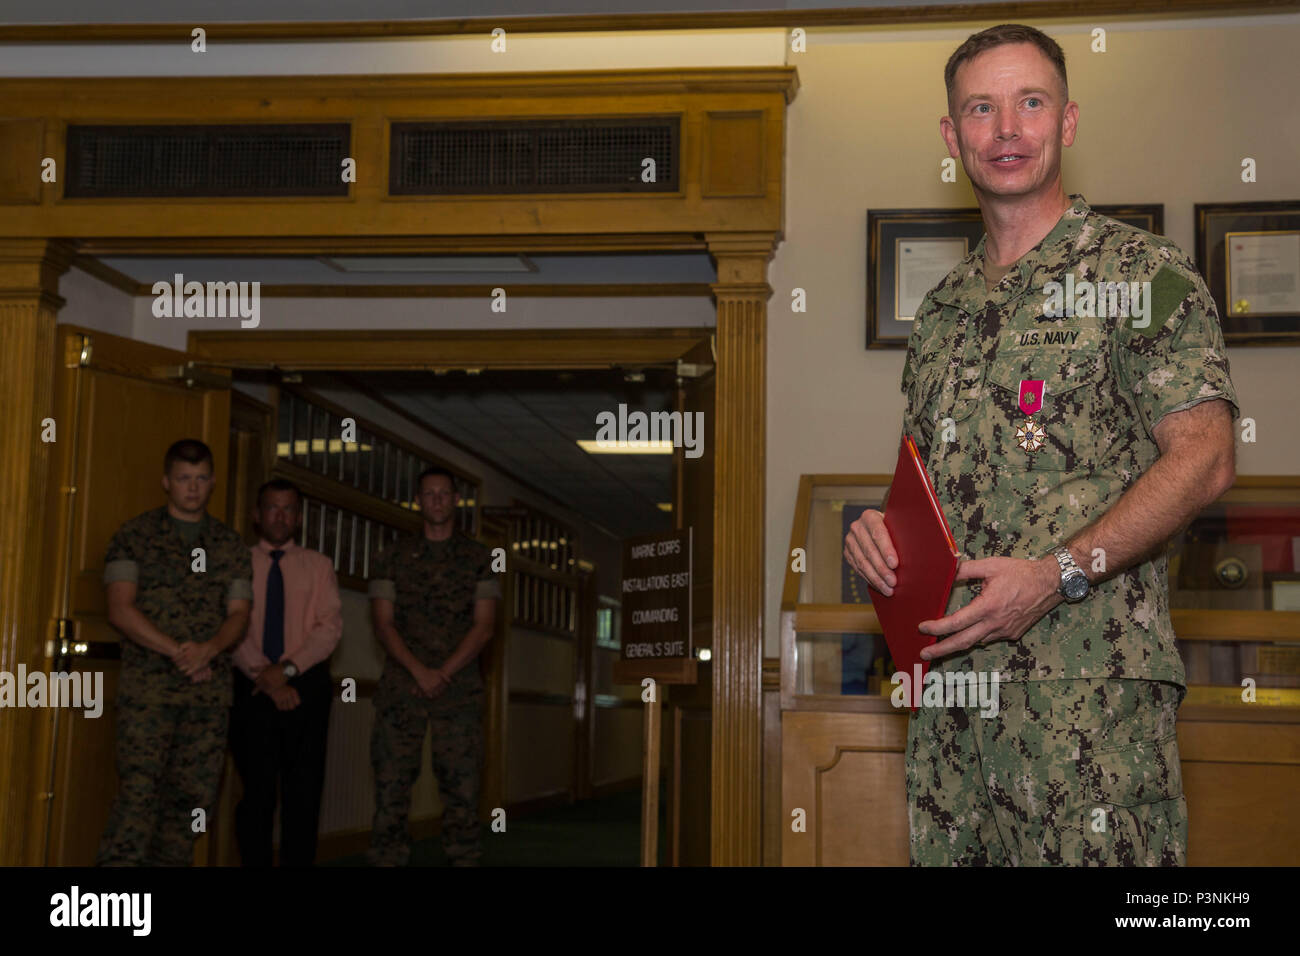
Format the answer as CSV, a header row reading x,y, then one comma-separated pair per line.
x,y
1076,587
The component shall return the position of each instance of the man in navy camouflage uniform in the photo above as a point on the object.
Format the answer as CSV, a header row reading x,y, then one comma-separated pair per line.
x,y
433,604
179,588
1066,448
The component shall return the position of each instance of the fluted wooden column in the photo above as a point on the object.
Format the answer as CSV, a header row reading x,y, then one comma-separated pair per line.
x,y
739,518
29,281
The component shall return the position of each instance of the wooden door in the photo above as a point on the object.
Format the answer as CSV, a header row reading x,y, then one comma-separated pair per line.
x,y
119,404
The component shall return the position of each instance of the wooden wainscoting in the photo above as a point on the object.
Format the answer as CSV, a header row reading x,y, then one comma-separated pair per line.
x,y
1241,775
845,771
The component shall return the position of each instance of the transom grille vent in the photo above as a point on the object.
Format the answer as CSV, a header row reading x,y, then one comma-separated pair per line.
x,y
534,156
117,162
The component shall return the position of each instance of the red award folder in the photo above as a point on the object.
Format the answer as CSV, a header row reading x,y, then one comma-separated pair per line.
x,y
927,564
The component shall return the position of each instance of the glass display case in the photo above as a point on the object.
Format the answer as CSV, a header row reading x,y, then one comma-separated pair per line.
x,y
1234,583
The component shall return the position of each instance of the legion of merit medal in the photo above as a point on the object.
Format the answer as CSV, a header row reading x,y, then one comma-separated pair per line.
x,y
1030,435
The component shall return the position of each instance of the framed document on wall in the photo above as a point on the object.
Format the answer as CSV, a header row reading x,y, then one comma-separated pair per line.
x,y
1249,254
908,252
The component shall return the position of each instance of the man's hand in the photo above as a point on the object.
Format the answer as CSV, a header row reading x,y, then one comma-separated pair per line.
x,y
192,657
198,677
272,678
870,551
1016,593
285,697
431,681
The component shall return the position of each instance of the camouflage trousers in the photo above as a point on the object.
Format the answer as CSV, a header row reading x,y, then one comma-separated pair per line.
x,y
1068,773
169,762
395,751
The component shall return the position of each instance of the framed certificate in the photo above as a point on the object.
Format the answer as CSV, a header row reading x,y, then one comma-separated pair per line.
x,y
1264,272
919,265
1249,254
908,252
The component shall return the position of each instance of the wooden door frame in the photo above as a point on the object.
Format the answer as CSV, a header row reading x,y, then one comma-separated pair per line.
x,y
741,367
729,203
739,344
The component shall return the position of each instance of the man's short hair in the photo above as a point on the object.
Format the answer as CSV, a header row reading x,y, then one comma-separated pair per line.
x,y
187,449
1001,35
429,472
278,484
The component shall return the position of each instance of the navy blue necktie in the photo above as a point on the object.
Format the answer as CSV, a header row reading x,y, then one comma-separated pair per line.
x,y
273,626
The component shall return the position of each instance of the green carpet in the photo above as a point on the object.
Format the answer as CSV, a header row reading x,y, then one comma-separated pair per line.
x,y
605,831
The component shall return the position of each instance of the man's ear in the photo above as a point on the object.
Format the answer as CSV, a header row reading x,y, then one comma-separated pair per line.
x,y
1069,123
948,130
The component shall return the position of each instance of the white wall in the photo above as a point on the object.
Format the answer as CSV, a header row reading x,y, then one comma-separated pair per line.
x,y
95,304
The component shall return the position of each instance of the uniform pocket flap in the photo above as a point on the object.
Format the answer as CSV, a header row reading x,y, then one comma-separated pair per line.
x,y
1060,370
1144,772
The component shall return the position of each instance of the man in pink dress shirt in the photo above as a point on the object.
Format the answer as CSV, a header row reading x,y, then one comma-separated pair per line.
x,y
283,689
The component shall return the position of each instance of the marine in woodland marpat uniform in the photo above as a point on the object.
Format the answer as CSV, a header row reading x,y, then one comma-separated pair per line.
x,y
179,588
433,603
1066,449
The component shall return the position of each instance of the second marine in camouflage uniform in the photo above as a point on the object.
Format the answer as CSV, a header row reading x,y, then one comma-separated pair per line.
x,y
1090,690
434,586
171,731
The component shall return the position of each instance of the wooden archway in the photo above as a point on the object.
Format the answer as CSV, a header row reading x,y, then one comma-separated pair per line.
x,y
729,203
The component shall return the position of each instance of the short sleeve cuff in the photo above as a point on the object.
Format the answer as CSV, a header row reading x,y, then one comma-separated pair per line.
x,y
488,589
1175,387
123,570
241,589
383,589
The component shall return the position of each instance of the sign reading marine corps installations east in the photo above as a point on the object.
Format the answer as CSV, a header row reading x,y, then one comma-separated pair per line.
x,y
657,595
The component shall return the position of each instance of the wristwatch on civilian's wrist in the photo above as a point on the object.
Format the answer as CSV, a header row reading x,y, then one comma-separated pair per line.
x,y
1074,583
290,668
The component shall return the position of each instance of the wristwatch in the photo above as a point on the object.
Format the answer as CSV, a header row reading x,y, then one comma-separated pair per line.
x,y
1074,583
290,668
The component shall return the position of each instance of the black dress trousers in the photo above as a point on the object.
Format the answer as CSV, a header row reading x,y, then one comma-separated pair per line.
x,y
284,748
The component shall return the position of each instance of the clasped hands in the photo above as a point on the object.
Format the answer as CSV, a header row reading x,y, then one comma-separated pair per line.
x,y
430,681
1015,594
192,659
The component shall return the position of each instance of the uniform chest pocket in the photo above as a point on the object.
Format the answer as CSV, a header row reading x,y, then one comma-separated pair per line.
x,y
1064,433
